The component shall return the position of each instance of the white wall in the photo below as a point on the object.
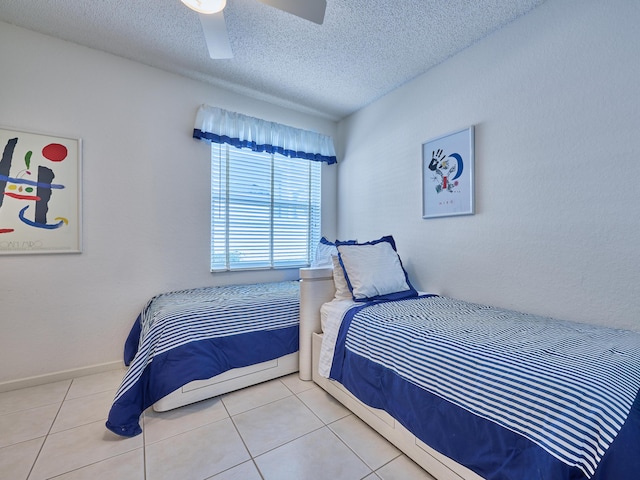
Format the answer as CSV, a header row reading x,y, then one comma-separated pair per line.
x,y
555,100
145,199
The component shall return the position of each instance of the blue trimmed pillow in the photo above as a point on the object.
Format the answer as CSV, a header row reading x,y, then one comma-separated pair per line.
x,y
374,271
324,251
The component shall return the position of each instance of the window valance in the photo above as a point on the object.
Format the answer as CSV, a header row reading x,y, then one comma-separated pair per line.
x,y
221,126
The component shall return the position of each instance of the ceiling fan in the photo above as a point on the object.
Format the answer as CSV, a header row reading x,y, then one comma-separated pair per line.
x,y
215,28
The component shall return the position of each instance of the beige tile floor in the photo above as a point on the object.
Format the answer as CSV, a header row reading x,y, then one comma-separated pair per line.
x,y
279,430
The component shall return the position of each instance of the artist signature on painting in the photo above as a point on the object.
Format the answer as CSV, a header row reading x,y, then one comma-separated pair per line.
x,y
22,245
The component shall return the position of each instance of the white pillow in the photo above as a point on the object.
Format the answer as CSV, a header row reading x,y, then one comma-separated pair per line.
x,y
374,271
342,289
324,251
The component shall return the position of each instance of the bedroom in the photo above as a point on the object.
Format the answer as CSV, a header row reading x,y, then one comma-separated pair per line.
x,y
554,99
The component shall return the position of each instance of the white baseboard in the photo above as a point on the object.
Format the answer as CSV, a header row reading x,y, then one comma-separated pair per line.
x,y
58,376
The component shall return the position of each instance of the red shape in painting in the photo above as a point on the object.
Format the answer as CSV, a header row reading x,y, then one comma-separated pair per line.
x,y
22,197
54,152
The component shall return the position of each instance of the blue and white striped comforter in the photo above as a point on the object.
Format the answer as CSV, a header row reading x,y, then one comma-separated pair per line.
x,y
528,396
198,333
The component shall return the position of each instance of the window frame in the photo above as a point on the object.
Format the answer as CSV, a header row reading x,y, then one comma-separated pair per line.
x,y
224,158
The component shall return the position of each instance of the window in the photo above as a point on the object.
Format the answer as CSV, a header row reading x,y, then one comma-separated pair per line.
x,y
265,190
265,209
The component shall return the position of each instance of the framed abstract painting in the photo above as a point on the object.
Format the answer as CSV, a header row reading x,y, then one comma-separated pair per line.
x,y
448,175
40,193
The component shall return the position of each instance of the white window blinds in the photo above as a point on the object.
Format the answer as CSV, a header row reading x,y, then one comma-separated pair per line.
x,y
265,209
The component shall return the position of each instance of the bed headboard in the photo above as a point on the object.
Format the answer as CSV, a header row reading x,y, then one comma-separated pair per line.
x,y
316,288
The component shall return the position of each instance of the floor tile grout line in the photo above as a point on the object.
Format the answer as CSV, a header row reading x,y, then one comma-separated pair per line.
x,y
354,452
288,442
207,423
103,420
30,408
387,463
33,464
91,394
255,464
91,464
254,457
326,424
258,406
35,460
335,434
36,406
84,465
244,443
49,433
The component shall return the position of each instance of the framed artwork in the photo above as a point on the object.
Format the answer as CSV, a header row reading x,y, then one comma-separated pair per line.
x,y
447,175
40,193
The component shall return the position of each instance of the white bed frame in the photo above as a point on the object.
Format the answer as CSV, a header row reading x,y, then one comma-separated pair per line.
x,y
228,381
316,288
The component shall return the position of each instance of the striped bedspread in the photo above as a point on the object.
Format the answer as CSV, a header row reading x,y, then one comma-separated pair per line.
x,y
528,396
198,333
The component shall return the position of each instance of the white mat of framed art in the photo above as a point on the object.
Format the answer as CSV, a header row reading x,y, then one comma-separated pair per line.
x,y
40,193
448,175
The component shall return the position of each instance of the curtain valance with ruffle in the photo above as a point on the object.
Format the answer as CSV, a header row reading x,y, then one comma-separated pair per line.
x,y
216,125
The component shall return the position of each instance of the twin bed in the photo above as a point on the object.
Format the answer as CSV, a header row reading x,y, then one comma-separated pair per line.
x,y
465,390
507,395
189,345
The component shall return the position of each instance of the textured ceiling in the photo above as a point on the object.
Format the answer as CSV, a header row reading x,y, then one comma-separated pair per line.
x,y
363,50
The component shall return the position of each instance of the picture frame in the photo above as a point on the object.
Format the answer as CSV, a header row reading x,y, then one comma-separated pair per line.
x,y
448,175
40,193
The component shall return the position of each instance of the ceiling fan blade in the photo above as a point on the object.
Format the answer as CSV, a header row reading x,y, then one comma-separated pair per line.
x,y
215,34
312,10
